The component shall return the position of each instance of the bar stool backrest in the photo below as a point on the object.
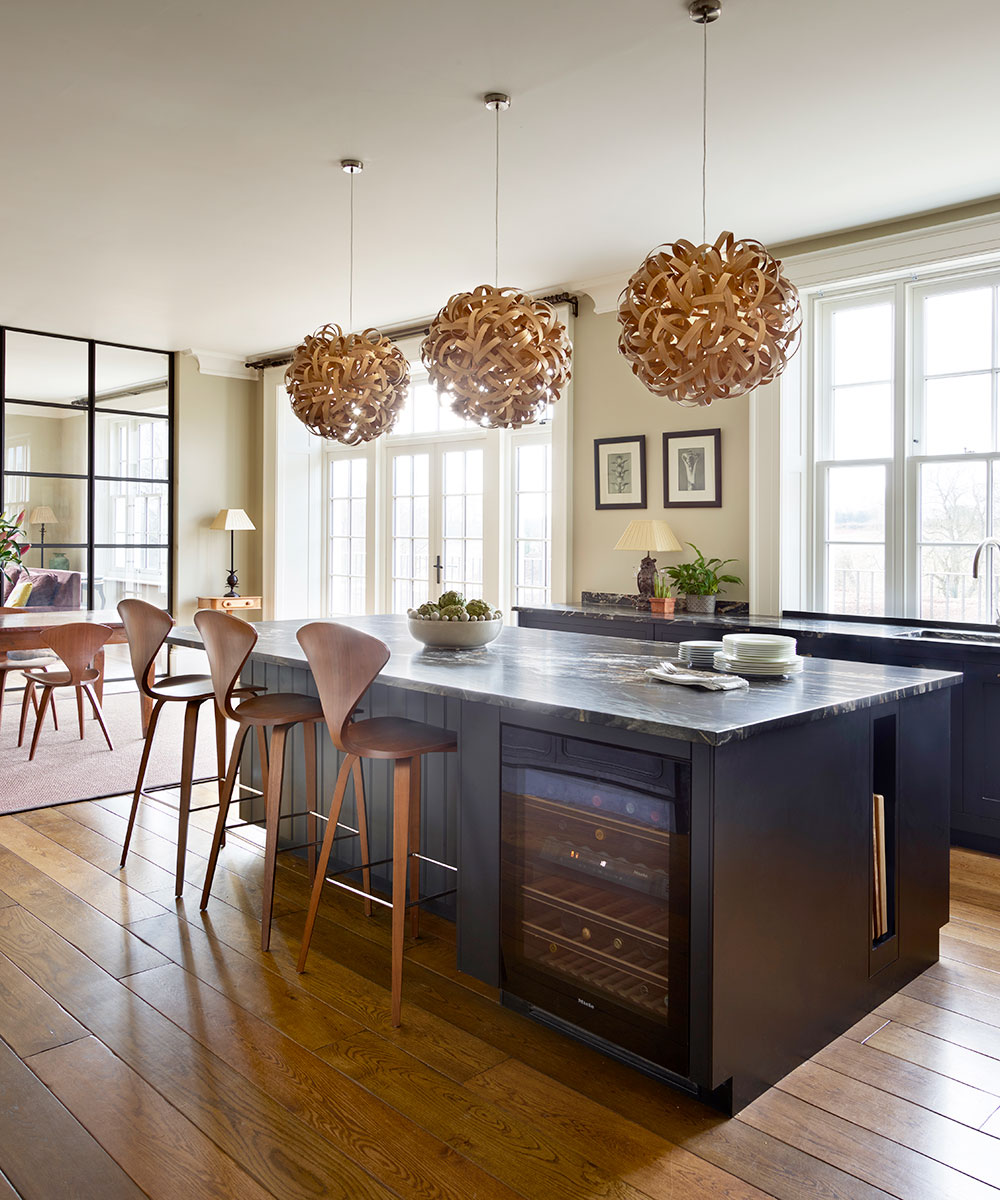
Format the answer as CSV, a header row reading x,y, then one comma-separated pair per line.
x,y
228,642
146,628
343,661
76,645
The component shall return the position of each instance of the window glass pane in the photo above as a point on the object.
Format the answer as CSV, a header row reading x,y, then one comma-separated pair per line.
x,y
856,579
59,504
958,331
862,421
952,502
533,524
856,504
957,417
45,439
862,344
130,572
130,446
347,548
131,513
45,368
947,590
410,517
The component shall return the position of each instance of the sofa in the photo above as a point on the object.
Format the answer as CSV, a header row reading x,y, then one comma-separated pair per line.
x,y
51,590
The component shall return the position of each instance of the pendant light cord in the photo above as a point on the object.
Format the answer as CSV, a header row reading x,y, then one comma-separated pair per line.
x,y
350,302
496,202
704,127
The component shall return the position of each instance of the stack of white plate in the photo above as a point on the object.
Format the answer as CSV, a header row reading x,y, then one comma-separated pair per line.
x,y
699,654
758,655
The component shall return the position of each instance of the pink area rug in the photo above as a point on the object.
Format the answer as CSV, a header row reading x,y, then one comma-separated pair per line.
x,y
65,769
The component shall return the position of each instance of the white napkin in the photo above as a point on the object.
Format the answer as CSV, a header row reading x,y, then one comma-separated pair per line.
x,y
670,672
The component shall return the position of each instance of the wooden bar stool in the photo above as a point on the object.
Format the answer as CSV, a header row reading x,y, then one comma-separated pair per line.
x,y
78,645
146,628
229,641
344,663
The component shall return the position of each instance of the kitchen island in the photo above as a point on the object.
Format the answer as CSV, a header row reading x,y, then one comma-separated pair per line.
x,y
683,879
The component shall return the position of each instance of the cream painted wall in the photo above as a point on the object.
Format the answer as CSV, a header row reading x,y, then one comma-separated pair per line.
x,y
217,465
610,402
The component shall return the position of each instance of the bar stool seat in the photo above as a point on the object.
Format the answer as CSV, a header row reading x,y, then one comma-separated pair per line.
x,y
146,628
63,678
228,643
396,737
279,708
344,663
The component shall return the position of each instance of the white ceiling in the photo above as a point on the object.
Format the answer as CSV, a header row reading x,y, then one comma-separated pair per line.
x,y
169,172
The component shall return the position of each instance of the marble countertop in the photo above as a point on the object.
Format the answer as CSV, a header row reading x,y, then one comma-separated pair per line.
x,y
905,633
586,677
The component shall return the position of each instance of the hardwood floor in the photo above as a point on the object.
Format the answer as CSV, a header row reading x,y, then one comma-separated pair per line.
x,y
146,1049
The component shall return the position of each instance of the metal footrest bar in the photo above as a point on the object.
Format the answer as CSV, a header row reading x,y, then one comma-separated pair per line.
x,y
424,858
435,896
163,787
346,887
299,846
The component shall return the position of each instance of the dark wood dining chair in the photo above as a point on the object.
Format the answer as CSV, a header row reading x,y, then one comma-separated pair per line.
x,y
344,663
77,645
228,643
146,628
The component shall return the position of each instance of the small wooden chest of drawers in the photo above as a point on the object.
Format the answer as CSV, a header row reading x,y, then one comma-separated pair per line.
x,y
229,603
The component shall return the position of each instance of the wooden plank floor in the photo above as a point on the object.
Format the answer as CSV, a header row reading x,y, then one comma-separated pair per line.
x,y
146,1049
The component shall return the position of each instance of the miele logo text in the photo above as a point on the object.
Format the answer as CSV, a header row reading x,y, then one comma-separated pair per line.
x,y
585,1003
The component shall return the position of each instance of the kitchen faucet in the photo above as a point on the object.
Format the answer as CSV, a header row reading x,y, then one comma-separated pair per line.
x,y
990,541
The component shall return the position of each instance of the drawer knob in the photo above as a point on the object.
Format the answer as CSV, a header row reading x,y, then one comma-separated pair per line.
x,y
599,834
618,943
585,933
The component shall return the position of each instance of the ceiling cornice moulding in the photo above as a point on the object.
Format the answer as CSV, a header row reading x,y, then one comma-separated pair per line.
x,y
603,290
212,362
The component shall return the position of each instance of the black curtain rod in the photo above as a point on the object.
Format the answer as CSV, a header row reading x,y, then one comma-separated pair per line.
x,y
281,358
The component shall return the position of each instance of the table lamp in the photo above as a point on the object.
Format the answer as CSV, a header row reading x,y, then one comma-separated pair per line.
x,y
233,519
647,535
42,515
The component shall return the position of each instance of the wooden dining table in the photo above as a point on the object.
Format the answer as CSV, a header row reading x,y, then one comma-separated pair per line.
x,y
20,630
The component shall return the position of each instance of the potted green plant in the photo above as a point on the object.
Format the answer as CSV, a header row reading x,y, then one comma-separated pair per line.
x,y
14,545
699,581
661,600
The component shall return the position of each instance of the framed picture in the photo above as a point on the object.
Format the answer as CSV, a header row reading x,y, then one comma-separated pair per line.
x,y
620,472
692,469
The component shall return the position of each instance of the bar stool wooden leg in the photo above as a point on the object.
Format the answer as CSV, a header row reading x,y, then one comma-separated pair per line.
x,y
262,755
220,747
143,763
187,775
336,805
400,843
79,707
275,769
46,697
312,795
359,801
414,844
220,822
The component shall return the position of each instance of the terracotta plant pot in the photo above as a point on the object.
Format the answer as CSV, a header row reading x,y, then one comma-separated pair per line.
x,y
663,605
700,604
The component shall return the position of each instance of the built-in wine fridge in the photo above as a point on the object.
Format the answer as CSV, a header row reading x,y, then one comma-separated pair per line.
x,y
595,890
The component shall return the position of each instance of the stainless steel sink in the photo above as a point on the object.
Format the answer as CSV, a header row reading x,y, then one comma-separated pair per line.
x,y
956,635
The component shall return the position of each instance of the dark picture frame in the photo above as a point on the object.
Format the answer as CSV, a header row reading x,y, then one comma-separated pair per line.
x,y
620,472
692,469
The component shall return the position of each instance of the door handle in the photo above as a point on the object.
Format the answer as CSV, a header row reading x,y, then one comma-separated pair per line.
x,y
438,567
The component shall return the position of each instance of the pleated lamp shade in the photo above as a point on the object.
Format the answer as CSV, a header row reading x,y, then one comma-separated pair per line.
x,y
42,515
233,518
648,535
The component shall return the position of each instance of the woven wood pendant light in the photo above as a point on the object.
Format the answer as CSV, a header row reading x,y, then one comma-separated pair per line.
x,y
713,321
349,387
498,355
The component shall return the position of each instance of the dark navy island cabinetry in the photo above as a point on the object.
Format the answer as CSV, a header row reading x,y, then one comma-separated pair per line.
x,y
681,880
975,706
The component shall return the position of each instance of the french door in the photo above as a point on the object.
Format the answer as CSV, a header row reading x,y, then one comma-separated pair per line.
x,y
442,521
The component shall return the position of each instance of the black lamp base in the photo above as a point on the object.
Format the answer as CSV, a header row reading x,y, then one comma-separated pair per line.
x,y
231,581
646,575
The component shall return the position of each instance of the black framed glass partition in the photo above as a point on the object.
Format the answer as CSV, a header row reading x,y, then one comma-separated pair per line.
x,y
87,431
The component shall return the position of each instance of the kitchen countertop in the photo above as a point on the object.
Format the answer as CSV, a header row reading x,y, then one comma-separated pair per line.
x,y
586,677
904,633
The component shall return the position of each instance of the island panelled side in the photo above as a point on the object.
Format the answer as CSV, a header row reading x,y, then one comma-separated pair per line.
x,y
752,933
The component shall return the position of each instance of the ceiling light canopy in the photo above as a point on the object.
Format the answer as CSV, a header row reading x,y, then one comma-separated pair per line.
x,y
349,387
713,321
496,354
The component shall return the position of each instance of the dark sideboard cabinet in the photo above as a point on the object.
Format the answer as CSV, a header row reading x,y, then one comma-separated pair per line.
x,y
975,706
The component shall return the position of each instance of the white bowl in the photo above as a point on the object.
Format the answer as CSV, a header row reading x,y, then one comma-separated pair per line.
x,y
457,635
